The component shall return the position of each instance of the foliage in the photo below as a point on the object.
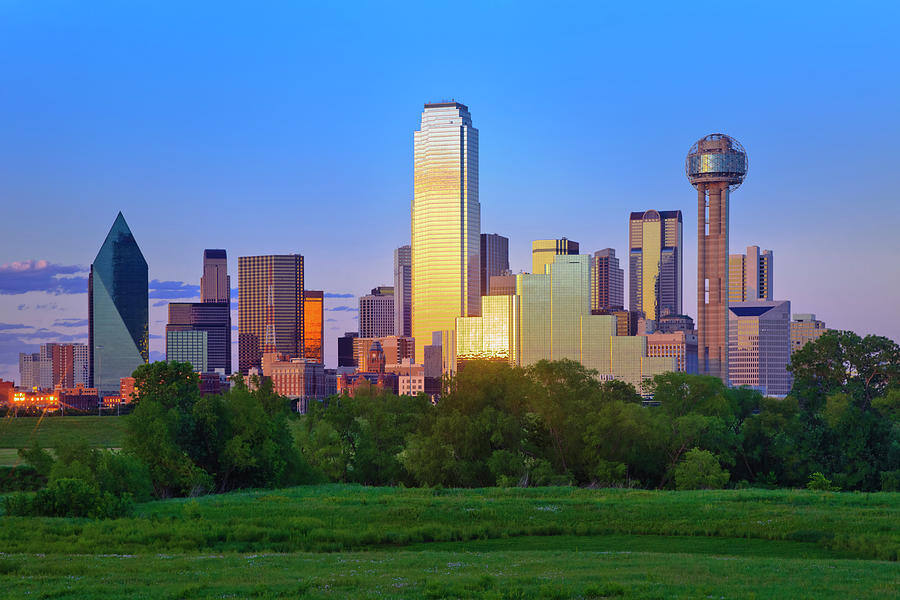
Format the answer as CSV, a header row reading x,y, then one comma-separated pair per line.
x,y
700,470
194,445
21,478
820,483
68,497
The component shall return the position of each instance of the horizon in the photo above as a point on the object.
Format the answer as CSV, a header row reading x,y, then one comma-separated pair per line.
x,y
171,136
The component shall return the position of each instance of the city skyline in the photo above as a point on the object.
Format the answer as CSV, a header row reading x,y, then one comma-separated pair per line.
x,y
590,205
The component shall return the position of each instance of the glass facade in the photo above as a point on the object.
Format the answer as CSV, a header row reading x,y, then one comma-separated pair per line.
x,y
494,259
270,308
188,346
492,336
118,309
314,325
544,251
655,262
607,281
759,346
446,222
214,318
403,291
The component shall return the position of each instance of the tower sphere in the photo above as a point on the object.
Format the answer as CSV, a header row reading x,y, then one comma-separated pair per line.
x,y
716,158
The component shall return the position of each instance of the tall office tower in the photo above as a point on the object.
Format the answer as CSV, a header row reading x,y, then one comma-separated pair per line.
x,y
270,308
607,281
346,356
212,318
750,275
759,345
655,262
804,329
403,291
494,259
446,222
215,283
63,365
376,313
314,325
29,370
118,310
715,165
543,252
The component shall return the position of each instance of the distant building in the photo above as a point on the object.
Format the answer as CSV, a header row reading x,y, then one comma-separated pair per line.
x,y
127,389
607,281
63,364
346,355
118,310
446,221
7,389
78,398
395,349
494,259
673,323
655,262
804,329
502,285
29,370
759,347
193,323
314,325
549,318
270,307
296,378
403,291
680,345
750,275
376,313
188,346
215,283
543,252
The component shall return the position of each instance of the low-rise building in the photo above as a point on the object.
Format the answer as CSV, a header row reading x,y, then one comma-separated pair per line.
x,y
680,345
804,329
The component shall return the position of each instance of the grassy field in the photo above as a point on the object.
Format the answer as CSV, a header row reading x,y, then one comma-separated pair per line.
x,y
15,433
352,542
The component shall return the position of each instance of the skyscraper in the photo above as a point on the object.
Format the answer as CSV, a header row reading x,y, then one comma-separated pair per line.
x,y
29,370
655,262
715,165
118,310
494,259
211,318
215,283
750,275
403,291
543,252
759,347
314,325
607,281
270,308
376,313
446,222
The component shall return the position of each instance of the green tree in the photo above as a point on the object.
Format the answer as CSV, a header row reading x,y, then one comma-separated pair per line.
x,y
700,470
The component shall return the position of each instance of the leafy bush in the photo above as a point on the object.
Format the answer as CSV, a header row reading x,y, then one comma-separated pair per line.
x,y
68,498
22,478
819,482
700,470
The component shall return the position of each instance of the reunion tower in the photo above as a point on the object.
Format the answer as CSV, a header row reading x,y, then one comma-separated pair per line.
x,y
715,165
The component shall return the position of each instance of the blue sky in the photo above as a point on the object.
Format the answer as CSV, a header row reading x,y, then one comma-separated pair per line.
x,y
287,127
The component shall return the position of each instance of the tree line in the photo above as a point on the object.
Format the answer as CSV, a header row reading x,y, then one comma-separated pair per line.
x,y
552,423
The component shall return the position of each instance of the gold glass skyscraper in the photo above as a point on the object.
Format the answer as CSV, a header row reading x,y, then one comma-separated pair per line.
x,y
446,222
655,262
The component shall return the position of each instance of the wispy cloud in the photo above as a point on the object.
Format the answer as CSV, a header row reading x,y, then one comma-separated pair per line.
x,y
173,289
336,295
343,309
70,322
9,326
42,276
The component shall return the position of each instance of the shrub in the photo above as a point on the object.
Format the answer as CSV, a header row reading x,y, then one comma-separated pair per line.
x,y
23,478
700,470
68,498
820,483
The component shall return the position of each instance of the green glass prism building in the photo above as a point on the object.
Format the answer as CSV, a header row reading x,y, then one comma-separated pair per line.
x,y
118,310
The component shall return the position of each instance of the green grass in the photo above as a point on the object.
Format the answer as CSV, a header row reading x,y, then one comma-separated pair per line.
x,y
342,541
102,432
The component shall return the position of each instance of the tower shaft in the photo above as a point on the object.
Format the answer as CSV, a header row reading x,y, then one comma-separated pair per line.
x,y
712,279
